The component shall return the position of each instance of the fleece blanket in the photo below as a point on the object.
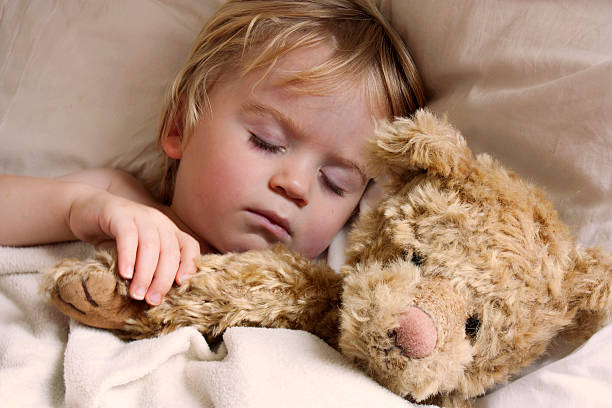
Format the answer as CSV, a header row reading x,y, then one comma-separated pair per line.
x,y
48,361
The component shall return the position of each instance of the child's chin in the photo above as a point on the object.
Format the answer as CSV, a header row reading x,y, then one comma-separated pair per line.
x,y
245,243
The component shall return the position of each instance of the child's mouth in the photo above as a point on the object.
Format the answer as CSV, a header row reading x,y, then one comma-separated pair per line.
x,y
274,224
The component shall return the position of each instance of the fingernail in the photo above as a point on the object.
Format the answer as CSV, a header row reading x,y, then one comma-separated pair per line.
x,y
128,272
139,293
154,298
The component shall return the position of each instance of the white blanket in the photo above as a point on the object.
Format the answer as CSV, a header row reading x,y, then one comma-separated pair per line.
x,y
48,361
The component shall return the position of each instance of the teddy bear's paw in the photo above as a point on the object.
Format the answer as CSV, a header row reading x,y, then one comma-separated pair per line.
x,y
91,292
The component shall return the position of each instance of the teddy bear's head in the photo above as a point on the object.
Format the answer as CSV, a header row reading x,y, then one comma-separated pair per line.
x,y
463,274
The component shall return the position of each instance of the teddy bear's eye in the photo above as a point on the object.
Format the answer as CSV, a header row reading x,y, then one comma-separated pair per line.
x,y
414,257
472,325
417,259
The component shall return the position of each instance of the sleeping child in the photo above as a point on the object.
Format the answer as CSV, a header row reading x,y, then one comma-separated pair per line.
x,y
262,132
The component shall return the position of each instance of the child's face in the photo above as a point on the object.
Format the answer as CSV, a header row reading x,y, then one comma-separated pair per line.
x,y
272,165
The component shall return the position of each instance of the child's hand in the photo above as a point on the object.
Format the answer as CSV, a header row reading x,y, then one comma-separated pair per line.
x,y
152,250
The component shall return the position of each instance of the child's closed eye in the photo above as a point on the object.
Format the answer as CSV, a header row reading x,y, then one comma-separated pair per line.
x,y
328,180
341,179
264,145
333,187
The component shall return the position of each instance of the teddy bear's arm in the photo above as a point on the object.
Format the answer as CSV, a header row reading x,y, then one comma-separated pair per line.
x,y
90,291
271,288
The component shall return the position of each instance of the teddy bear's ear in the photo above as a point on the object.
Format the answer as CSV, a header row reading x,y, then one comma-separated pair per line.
x,y
588,287
422,143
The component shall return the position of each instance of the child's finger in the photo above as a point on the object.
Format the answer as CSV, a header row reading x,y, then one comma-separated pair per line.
x,y
147,258
126,237
190,249
169,257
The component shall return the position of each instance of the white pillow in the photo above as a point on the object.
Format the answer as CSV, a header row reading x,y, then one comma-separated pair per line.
x,y
83,81
530,83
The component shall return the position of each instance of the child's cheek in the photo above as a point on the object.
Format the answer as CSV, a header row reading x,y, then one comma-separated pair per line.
x,y
239,171
318,232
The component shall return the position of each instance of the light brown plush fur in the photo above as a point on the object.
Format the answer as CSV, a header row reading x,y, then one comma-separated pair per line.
x,y
480,252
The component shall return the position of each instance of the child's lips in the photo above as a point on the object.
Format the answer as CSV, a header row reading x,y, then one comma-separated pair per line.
x,y
273,223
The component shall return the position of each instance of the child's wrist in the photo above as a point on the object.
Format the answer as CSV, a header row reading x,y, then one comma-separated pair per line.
x,y
76,194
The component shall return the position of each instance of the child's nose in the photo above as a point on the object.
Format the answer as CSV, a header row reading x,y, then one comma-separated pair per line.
x,y
292,185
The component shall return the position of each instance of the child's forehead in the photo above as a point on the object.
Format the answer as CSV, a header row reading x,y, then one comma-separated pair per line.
x,y
302,71
304,58
344,108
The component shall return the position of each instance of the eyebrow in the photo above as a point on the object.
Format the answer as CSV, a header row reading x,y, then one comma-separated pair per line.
x,y
290,126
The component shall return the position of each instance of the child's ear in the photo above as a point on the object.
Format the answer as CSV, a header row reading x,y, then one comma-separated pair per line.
x,y
173,142
172,145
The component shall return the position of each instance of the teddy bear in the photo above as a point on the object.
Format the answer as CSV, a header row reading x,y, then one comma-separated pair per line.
x,y
459,277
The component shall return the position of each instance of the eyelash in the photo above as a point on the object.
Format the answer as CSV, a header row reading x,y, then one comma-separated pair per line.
x,y
331,186
263,145
269,147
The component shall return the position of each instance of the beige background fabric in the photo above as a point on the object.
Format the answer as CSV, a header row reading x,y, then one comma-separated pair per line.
x,y
83,81
531,83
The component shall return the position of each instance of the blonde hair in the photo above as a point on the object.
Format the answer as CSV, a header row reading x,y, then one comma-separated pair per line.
x,y
254,34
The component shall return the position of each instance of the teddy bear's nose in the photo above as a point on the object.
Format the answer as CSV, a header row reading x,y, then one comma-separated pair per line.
x,y
417,333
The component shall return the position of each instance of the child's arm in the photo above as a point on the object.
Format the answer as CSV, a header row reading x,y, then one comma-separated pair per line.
x,y
114,181
91,206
